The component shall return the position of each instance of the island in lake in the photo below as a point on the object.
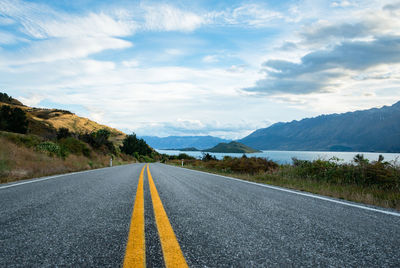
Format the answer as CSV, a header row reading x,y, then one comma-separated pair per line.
x,y
231,147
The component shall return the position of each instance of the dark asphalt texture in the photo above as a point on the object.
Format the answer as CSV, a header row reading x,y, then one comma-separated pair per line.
x,y
83,220
77,220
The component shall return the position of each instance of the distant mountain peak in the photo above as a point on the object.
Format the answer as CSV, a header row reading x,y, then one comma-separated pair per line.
x,y
376,129
396,105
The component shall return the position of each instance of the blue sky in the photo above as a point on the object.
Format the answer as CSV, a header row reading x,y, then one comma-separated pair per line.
x,y
222,68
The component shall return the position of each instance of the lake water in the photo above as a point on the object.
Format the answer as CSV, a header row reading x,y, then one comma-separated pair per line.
x,y
285,157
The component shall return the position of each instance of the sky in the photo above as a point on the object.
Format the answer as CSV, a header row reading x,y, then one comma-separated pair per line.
x,y
207,67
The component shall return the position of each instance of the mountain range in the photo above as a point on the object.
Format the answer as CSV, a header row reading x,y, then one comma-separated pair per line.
x,y
373,130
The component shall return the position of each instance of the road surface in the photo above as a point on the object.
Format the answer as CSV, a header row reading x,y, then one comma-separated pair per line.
x,y
178,217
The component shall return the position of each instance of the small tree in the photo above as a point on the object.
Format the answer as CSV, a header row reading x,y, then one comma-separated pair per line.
x,y
101,136
13,119
132,144
99,140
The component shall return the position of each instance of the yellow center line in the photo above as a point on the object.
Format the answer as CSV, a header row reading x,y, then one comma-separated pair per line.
x,y
172,252
135,254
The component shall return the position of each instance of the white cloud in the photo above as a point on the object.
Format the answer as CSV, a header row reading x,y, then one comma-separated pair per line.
x,y
94,66
6,21
59,36
40,21
237,68
91,25
6,38
32,100
343,3
130,63
168,18
60,49
185,127
174,52
253,15
210,59
361,25
134,95
96,114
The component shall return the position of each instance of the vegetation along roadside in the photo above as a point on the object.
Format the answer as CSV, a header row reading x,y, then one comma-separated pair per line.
x,y
374,183
36,142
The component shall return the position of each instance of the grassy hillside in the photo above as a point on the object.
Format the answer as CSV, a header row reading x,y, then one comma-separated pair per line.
x,y
24,156
232,147
37,142
46,122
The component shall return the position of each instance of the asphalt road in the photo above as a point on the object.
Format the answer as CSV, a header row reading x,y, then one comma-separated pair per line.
x,y
83,219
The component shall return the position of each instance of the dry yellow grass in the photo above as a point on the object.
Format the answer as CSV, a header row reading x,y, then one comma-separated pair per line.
x,y
64,119
19,162
82,125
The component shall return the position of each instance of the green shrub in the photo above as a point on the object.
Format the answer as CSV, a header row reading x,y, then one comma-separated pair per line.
x,y
99,140
177,157
383,175
52,149
145,158
249,165
74,146
29,140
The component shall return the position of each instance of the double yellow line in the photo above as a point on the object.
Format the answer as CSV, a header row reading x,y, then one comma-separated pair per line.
x,y
135,255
